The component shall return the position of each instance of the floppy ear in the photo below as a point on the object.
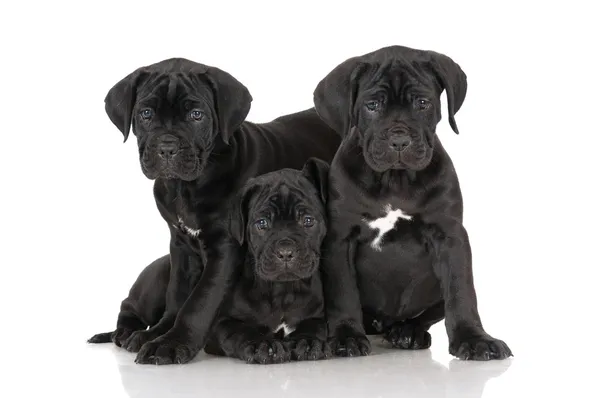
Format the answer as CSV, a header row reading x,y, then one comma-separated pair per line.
x,y
120,100
317,172
238,214
335,95
453,80
232,100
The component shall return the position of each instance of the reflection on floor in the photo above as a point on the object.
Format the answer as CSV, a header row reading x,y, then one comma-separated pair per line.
x,y
386,373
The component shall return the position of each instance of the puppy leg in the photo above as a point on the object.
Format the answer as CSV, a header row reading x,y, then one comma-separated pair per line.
x,y
309,341
143,307
346,333
468,339
412,334
250,343
176,291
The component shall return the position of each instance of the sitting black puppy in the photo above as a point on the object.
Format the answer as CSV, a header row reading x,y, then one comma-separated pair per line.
x,y
396,243
276,310
194,142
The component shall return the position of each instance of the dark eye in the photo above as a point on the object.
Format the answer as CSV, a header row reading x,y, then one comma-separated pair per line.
x,y
261,224
196,115
422,103
372,105
146,114
308,221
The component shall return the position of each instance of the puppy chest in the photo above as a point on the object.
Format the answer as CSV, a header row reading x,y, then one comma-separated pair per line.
x,y
193,234
283,314
388,225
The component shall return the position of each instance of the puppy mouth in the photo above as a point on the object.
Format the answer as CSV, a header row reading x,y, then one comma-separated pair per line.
x,y
186,165
273,270
380,156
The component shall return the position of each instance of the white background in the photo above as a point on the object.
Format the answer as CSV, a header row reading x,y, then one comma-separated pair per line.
x,y
79,221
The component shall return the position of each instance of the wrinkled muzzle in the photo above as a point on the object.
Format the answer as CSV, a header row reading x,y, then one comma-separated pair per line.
x,y
286,259
398,147
168,156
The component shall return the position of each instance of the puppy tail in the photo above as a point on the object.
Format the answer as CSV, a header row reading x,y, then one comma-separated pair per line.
x,y
101,338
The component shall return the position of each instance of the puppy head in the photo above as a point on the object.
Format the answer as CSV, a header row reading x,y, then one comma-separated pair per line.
x,y
180,112
392,98
282,218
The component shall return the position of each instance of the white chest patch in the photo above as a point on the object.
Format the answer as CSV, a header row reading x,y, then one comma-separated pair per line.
x,y
286,329
190,231
385,224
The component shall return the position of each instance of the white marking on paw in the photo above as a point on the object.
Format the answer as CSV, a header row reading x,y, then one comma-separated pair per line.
x,y
385,224
191,231
286,329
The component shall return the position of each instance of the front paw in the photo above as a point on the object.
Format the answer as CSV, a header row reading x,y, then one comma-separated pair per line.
x,y
408,336
120,336
165,350
479,347
348,342
308,349
264,352
135,340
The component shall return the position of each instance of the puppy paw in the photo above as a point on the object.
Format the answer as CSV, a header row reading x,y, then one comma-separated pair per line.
x,y
408,336
118,337
350,343
135,340
265,352
308,349
479,348
165,351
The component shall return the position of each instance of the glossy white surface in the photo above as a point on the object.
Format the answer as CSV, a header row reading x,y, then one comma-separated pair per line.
x,y
77,369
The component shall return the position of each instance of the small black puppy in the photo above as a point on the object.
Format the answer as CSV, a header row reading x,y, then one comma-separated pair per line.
x,y
193,141
276,311
396,242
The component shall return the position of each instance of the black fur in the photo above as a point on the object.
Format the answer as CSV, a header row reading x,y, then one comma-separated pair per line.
x,y
267,291
282,222
189,122
386,105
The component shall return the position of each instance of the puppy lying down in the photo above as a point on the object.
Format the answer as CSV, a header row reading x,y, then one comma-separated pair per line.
x,y
275,311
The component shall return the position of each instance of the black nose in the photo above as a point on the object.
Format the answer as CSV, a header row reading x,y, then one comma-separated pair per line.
x,y
285,250
168,146
167,150
399,142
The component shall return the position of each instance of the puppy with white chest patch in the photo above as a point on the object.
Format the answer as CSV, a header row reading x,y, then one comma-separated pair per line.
x,y
276,310
397,247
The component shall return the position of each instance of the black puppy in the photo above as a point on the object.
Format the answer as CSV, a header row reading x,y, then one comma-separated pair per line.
x,y
189,122
396,207
279,217
276,311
